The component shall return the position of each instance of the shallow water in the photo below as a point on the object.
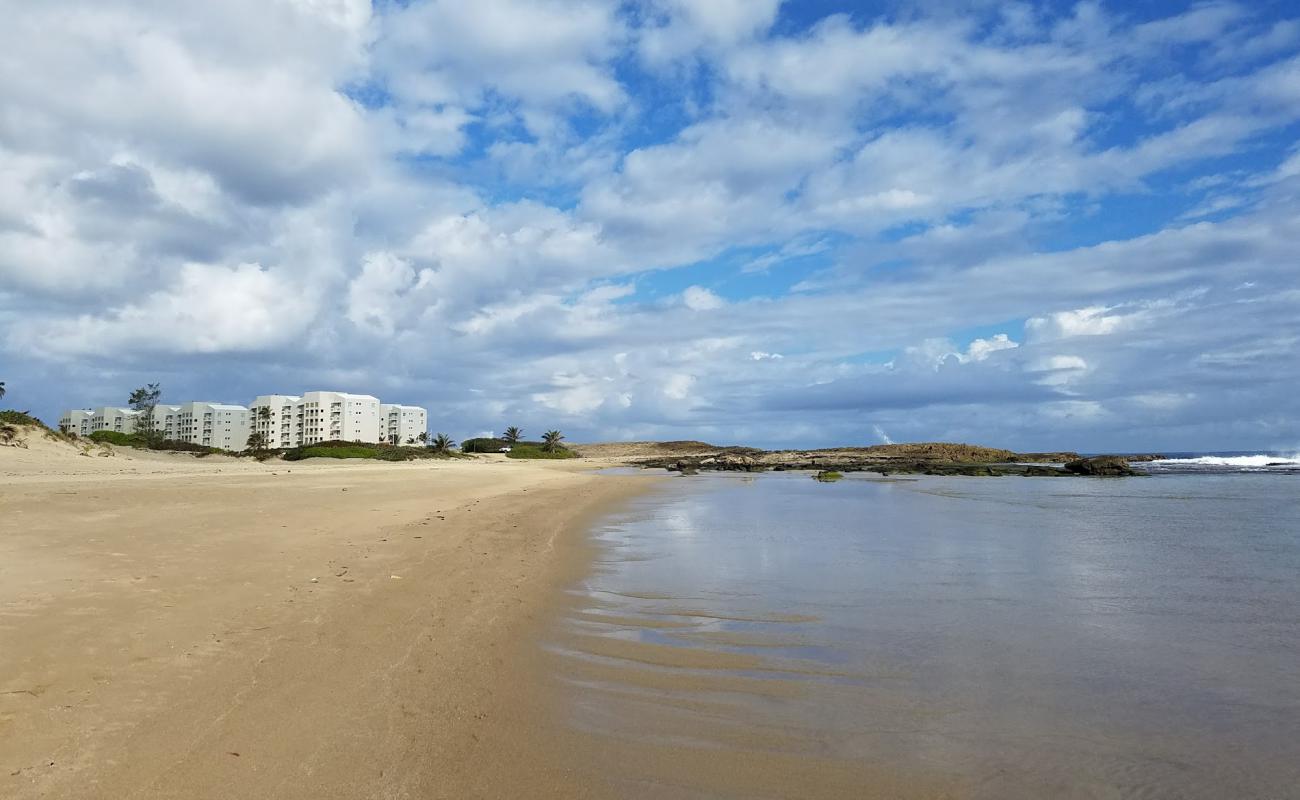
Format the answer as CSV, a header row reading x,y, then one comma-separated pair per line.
x,y
1021,638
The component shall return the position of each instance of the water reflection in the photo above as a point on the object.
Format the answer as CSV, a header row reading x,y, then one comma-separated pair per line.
x,y
1029,637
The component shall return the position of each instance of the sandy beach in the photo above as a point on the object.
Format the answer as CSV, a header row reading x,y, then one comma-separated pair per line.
x,y
202,628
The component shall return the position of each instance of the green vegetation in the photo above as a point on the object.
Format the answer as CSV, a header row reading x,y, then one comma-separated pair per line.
x,y
828,476
538,450
114,437
549,447
483,445
355,451
139,441
258,446
11,417
379,452
144,400
442,444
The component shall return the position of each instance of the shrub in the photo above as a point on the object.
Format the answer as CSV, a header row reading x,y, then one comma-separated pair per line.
x,y
114,437
318,451
182,447
135,440
483,445
11,417
537,450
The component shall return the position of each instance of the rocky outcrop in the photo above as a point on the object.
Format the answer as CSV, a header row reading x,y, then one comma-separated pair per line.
x,y
897,460
1101,466
1046,458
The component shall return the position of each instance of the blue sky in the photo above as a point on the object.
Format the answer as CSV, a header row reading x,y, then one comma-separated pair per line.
x,y
1025,224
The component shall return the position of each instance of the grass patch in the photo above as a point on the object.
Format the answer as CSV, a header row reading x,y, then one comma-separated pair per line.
x,y
375,451
166,445
11,417
114,437
535,450
827,476
299,453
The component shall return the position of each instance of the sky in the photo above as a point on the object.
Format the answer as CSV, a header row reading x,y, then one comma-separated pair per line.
x,y
1030,225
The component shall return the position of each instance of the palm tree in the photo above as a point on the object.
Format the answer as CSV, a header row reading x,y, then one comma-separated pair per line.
x,y
512,435
2,388
423,438
442,443
551,441
257,444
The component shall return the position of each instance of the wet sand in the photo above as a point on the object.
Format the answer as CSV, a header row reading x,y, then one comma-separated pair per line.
x,y
204,628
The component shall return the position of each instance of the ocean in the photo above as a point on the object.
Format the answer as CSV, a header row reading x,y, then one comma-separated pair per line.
x,y
998,637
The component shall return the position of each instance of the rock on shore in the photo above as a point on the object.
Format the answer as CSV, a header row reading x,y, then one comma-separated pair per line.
x,y
926,459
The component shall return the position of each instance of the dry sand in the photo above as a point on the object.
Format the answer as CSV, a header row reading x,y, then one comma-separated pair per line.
x,y
203,628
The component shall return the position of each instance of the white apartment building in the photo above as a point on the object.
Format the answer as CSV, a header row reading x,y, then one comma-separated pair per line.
x,y
402,424
287,420
328,416
77,421
277,417
291,420
213,425
165,421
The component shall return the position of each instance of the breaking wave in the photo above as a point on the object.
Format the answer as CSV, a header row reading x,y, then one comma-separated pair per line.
x,y
1261,461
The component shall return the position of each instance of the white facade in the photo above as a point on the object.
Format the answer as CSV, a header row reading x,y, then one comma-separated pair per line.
x,y
77,421
329,416
213,425
402,424
110,418
165,420
278,417
292,420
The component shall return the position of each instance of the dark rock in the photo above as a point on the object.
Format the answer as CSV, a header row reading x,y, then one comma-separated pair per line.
x,y
1043,472
1102,466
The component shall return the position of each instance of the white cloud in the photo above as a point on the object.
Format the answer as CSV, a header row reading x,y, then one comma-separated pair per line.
x,y
684,26
697,298
573,394
546,54
933,354
375,294
208,309
981,349
678,386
